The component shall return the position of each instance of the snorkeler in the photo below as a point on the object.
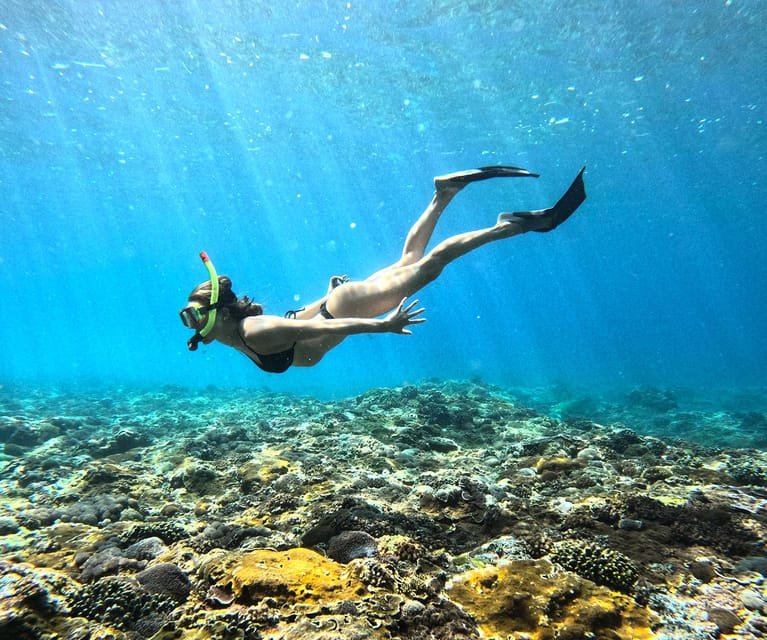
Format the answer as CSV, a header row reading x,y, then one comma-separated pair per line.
x,y
303,337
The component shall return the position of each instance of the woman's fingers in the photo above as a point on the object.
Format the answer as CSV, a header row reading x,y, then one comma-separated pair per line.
x,y
410,306
406,315
410,313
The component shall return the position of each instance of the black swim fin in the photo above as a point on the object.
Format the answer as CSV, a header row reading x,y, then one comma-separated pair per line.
x,y
482,173
547,219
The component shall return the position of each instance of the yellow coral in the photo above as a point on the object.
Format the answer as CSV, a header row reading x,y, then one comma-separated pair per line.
x,y
558,465
671,501
525,599
296,575
273,469
262,471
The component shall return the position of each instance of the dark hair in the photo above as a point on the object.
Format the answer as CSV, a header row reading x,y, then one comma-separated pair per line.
x,y
239,308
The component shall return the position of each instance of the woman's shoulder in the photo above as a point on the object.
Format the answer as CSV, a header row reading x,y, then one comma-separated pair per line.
x,y
267,334
267,327
255,323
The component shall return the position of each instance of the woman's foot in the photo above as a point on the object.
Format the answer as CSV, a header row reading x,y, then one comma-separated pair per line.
x,y
548,219
459,179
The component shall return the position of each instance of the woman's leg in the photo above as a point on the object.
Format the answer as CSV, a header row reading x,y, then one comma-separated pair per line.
x,y
446,186
420,233
383,291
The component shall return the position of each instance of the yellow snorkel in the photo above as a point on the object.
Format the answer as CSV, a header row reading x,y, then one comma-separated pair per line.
x,y
213,294
188,314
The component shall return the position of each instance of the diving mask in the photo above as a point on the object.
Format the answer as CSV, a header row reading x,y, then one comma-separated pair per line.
x,y
192,316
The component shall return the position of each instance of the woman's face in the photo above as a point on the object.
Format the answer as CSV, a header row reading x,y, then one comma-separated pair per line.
x,y
220,326
195,316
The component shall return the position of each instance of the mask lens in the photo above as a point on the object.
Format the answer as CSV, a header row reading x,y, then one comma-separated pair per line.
x,y
191,316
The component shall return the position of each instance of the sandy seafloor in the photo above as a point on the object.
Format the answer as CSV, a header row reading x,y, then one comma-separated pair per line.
x,y
442,510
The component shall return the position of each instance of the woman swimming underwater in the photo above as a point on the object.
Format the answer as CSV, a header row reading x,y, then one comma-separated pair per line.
x,y
303,337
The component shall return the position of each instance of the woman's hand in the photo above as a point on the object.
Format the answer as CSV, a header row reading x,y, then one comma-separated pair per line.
x,y
403,316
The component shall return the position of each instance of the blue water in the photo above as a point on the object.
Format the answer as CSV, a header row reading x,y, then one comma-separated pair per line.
x,y
297,140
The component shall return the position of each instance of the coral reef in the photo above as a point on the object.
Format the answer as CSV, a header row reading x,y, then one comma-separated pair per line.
x,y
122,603
526,598
118,600
298,575
165,579
30,599
437,511
597,563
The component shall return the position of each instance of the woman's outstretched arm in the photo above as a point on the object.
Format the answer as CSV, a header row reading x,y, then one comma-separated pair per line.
x,y
263,331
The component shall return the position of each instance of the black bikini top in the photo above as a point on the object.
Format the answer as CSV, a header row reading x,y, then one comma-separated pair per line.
x,y
270,362
281,361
